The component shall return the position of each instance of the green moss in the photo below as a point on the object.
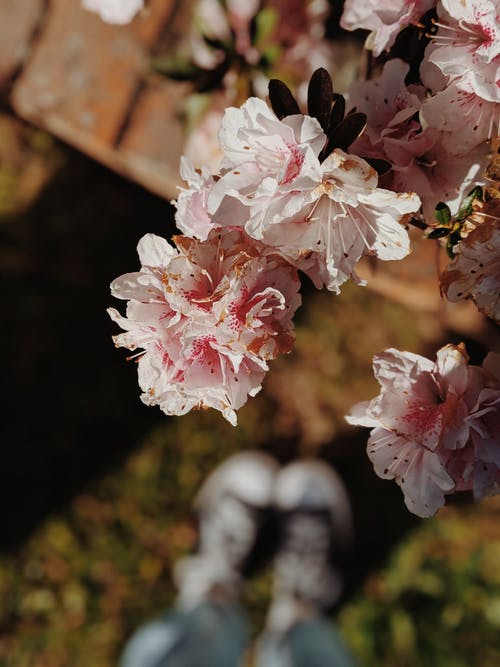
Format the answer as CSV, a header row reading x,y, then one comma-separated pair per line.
x,y
436,604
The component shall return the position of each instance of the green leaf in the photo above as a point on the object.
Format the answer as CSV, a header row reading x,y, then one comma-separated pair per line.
x,y
442,213
179,69
271,54
466,205
438,233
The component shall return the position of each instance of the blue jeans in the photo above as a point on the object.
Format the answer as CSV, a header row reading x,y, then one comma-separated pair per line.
x,y
216,635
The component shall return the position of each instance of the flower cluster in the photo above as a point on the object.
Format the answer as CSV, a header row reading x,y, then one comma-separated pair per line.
x,y
285,192
206,317
208,314
321,215
414,149
461,68
434,425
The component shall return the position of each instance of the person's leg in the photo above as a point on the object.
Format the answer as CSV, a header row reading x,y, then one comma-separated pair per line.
x,y
309,643
209,635
207,628
315,523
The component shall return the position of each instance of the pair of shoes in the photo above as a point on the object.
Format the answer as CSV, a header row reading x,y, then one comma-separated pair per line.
x,y
248,505
305,507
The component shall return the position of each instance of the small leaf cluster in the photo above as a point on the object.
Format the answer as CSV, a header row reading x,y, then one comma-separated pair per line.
x,y
451,227
204,80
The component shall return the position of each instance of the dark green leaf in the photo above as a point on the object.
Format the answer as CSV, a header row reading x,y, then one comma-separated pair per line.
x,y
344,134
320,97
215,43
442,213
178,69
282,101
418,223
438,233
211,79
466,205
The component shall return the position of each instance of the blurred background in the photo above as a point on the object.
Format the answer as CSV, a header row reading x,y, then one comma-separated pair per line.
x,y
96,488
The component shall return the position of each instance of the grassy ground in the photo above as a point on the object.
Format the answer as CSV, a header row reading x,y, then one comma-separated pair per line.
x,y
437,603
95,501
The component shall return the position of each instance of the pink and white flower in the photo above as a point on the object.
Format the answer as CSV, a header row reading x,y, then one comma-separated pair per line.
x,y
464,118
202,147
287,150
475,271
321,217
192,216
462,67
433,424
206,317
485,430
118,12
394,133
384,19
467,41
344,218
476,467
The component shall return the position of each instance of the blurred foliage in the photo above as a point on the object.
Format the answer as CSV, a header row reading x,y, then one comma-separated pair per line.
x,y
437,603
90,575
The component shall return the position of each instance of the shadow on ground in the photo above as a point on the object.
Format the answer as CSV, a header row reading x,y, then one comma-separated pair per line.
x,y
70,405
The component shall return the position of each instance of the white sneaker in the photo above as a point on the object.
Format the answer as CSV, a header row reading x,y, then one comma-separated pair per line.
x,y
231,506
206,628
315,523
